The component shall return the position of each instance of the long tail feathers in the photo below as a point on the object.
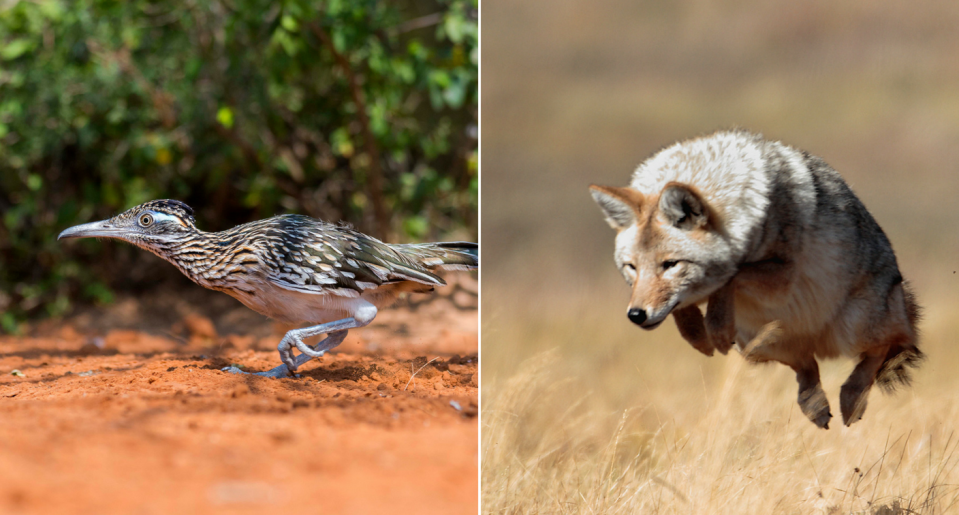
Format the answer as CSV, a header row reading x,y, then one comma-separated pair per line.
x,y
452,255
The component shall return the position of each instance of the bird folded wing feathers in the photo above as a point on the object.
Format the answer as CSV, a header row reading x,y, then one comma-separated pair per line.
x,y
356,264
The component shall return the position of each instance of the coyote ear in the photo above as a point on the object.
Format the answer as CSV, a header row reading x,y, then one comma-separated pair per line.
x,y
683,207
618,204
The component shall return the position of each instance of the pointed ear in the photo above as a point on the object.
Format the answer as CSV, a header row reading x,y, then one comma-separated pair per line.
x,y
683,207
620,205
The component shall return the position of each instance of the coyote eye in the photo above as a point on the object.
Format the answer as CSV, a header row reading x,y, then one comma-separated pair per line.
x,y
146,220
629,267
669,263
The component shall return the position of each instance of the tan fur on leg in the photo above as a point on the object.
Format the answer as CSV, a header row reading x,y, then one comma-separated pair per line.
x,y
855,391
689,321
721,318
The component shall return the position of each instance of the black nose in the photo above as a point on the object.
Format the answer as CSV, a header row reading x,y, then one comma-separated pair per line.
x,y
636,316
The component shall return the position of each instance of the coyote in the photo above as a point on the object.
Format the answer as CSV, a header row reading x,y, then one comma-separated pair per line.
x,y
790,263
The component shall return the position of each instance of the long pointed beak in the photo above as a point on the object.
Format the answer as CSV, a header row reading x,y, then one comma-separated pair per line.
x,y
101,229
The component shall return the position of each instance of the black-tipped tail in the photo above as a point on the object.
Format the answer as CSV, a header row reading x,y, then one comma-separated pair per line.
x,y
896,371
901,360
450,255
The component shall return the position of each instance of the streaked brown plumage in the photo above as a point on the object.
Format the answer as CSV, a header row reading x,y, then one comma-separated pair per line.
x,y
291,268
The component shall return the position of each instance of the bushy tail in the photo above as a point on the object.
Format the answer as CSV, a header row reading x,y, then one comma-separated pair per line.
x,y
452,255
901,359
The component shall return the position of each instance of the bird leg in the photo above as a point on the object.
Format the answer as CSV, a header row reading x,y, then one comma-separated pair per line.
x,y
363,314
336,333
332,340
295,337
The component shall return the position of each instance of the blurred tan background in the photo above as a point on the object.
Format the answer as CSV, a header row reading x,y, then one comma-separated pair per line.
x,y
583,411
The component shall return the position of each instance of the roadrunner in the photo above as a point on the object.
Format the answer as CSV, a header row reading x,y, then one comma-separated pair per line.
x,y
291,268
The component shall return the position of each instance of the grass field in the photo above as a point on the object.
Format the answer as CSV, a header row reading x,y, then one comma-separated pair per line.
x,y
618,421
582,412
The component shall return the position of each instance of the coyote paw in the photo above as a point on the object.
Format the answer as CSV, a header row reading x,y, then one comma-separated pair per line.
x,y
814,405
852,403
822,421
722,338
703,346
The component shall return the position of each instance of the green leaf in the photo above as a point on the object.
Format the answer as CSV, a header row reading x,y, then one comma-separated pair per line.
x,y
339,40
52,9
99,292
16,48
340,141
416,226
9,323
455,93
225,116
289,23
34,182
455,27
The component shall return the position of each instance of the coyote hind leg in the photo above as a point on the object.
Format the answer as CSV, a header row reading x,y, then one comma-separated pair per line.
x,y
855,391
812,398
888,360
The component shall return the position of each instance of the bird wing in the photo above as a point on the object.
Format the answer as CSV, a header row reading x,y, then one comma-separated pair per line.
x,y
319,258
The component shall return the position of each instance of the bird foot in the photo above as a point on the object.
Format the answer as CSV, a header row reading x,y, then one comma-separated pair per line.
x,y
281,371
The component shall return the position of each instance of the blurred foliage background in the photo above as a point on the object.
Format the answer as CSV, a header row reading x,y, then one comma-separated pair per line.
x,y
361,110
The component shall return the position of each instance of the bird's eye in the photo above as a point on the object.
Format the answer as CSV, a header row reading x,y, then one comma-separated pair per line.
x,y
669,263
146,220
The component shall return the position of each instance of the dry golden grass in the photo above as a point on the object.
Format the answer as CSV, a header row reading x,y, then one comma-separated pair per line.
x,y
625,421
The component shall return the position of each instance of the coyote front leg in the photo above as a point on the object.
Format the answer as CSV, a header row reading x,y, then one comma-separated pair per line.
x,y
689,321
721,318
718,330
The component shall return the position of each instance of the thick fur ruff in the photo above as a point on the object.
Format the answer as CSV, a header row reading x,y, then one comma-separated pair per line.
x,y
789,262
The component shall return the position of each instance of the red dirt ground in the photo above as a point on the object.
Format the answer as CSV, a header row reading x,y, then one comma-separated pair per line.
x,y
112,420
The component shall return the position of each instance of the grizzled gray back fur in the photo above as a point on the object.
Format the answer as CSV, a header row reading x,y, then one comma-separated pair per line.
x,y
789,262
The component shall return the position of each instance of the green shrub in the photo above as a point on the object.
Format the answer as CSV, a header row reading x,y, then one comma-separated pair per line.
x,y
358,110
